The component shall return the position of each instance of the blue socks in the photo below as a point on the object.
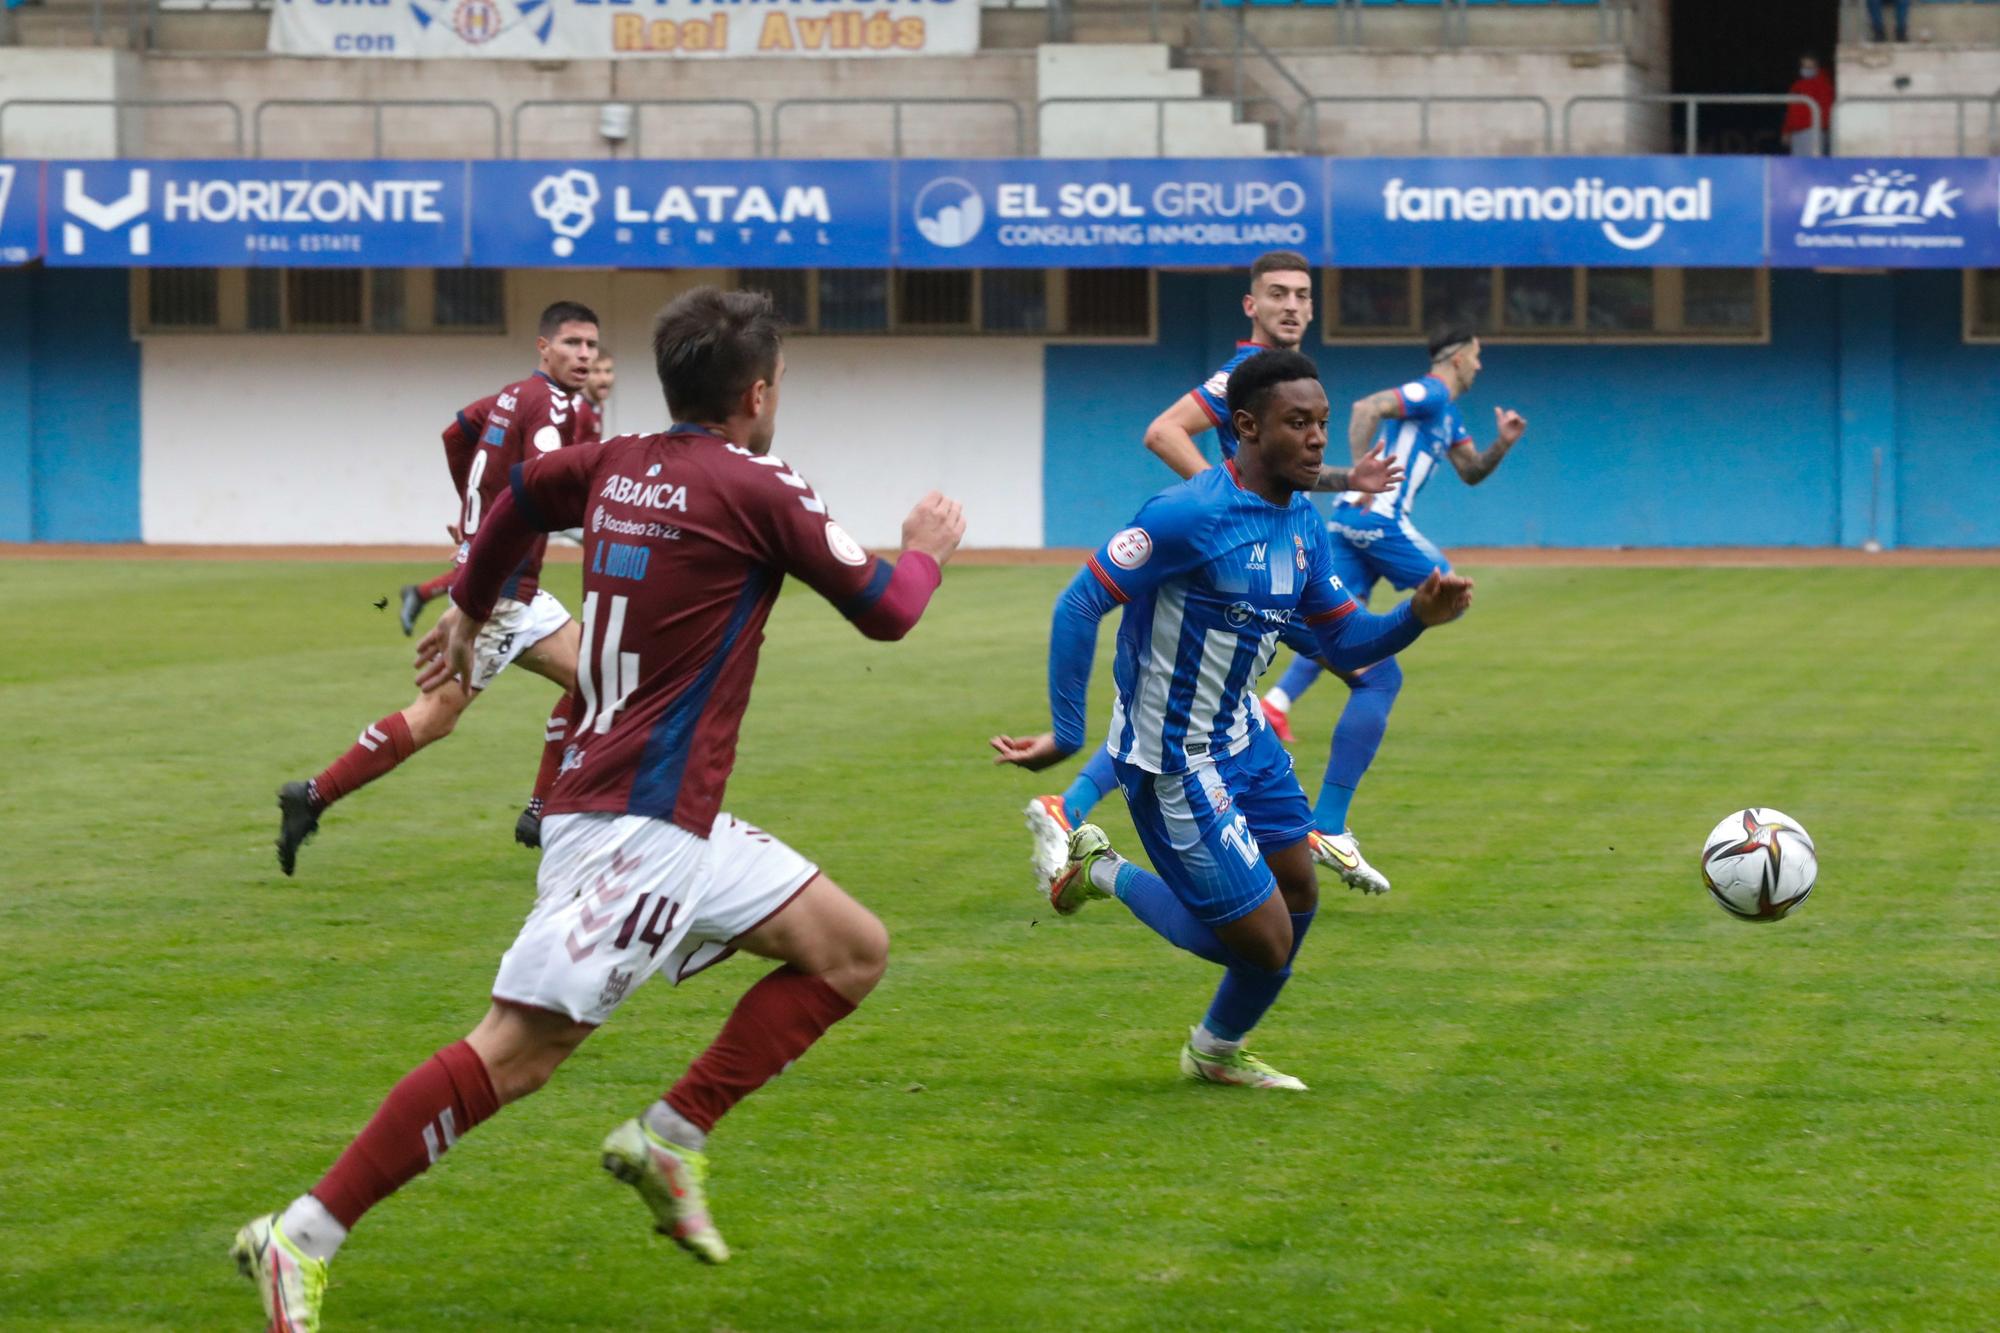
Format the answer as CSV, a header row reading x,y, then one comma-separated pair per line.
x,y
1355,741
1093,780
1247,993
1149,898
1299,676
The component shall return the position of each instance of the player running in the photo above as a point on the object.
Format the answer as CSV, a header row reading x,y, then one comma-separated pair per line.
x,y
1373,539
461,442
690,535
1279,307
1211,574
536,416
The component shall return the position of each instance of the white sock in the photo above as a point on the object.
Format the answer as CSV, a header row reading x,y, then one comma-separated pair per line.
x,y
1104,872
1209,1044
308,1225
1276,698
674,1127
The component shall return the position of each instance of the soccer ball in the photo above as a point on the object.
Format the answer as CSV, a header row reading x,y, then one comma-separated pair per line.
x,y
1759,864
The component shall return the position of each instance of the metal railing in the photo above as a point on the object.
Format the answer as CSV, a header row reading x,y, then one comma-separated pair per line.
x,y
375,106
1246,45
1692,103
1959,101
1614,23
1240,106
118,106
1309,113
895,105
637,138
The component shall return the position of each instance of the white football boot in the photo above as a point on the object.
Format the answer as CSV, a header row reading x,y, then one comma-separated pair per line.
x,y
1341,854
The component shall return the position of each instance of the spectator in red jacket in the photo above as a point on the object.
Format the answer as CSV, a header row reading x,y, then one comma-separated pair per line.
x,y
1806,138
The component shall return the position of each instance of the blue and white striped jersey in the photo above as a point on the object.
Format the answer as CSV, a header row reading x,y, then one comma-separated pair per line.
x,y
1209,574
1213,395
1430,426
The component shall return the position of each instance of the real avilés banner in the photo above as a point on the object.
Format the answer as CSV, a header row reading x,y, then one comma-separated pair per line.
x,y
1103,213
1933,212
20,212
619,29
1611,211
1006,213
786,213
236,213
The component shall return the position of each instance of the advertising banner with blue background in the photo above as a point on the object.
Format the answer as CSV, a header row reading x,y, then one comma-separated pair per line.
x,y
1648,211
232,213
20,211
797,213
1006,213
1870,212
1088,213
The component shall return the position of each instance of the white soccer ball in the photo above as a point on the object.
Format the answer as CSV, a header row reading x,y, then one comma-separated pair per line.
x,y
1759,864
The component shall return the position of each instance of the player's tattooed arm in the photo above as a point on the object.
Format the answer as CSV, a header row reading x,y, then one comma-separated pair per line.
x,y
1475,465
1373,473
1368,416
1171,436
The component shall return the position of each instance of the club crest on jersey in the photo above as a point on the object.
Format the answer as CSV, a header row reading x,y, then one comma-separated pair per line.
x,y
845,549
572,759
1131,548
1299,551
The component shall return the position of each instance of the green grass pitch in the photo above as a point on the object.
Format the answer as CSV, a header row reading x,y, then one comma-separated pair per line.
x,y
1554,1087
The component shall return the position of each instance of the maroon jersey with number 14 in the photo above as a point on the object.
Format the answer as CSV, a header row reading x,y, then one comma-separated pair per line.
x,y
687,539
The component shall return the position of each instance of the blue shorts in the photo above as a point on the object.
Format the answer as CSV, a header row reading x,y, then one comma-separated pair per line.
x,y
1207,829
1368,547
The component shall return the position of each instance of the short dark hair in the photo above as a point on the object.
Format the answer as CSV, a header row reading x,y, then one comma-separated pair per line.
x,y
564,312
1251,384
710,346
1278,261
1446,337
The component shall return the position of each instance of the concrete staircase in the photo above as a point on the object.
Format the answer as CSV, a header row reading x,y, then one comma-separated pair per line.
x,y
1129,100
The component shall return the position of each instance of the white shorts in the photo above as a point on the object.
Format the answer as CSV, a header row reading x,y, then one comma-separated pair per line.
x,y
514,628
621,897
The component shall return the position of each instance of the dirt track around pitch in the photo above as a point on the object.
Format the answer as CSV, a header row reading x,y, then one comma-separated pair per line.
x,y
1719,557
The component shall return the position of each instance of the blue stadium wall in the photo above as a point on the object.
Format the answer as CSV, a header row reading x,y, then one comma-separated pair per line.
x,y
69,407
1659,445
1656,445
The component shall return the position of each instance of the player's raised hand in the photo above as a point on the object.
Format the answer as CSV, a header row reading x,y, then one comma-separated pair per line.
x,y
1512,425
1441,598
456,533
1374,472
935,527
1030,752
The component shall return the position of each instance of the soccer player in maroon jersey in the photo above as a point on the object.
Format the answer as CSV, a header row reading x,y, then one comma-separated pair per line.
x,y
688,536
461,441
536,416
